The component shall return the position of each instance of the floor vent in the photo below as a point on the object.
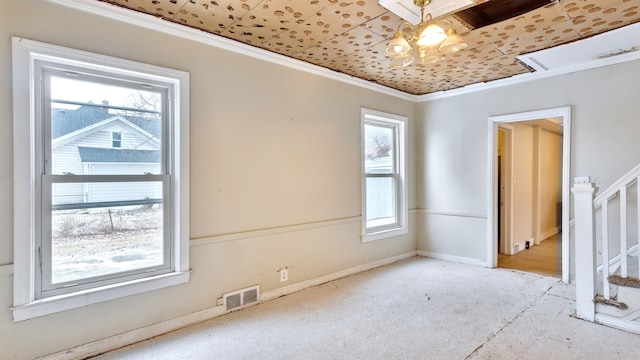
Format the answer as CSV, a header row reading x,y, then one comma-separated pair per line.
x,y
517,247
240,298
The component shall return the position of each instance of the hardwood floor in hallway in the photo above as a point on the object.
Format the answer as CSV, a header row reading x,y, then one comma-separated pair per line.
x,y
543,259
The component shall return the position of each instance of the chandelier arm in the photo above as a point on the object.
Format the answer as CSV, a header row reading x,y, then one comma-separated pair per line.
x,y
402,32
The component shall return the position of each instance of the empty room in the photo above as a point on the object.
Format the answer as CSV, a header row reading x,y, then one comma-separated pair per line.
x,y
321,179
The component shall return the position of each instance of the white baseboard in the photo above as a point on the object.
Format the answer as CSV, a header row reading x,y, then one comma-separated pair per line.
x,y
147,332
618,323
333,276
452,258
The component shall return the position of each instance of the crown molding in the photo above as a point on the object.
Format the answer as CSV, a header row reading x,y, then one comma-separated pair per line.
x,y
110,11
131,17
537,75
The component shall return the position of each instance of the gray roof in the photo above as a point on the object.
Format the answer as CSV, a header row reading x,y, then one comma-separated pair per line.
x,y
65,121
97,155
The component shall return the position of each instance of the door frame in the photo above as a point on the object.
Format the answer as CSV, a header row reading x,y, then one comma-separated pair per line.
x,y
564,113
506,232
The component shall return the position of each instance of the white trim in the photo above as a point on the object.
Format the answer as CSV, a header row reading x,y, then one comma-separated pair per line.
x,y
134,336
618,323
452,258
507,174
527,77
271,231
615,261
626,180
452,213
215,239
131,337
25,54
6,269
104,9
150,22
77,299
399,125
493,121
269,295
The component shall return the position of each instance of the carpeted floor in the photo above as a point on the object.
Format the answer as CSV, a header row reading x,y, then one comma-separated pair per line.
x,y
419,308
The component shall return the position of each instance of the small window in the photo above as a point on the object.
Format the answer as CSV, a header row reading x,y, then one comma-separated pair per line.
x,y
116,139
103,222
384,196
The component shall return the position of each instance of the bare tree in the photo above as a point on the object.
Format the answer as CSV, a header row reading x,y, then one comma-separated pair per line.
x,y
144,100
378,144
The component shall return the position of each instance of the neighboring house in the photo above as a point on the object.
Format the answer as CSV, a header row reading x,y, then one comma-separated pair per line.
x,y
92,140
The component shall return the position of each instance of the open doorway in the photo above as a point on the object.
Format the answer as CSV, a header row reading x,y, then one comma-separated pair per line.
x,y
530,196
529,190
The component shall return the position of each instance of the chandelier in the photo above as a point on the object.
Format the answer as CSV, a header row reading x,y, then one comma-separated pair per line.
x,y
427,42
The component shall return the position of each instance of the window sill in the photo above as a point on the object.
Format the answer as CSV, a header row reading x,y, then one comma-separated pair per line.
x,y
383,234
78,299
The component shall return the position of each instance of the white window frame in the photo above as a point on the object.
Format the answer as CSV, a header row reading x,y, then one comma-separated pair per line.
x,y
398,124
27,126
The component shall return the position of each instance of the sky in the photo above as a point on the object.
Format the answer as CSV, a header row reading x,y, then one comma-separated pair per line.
x,y
63,88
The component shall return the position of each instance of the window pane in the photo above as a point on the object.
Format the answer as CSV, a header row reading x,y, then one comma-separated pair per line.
x,y
381,201
114,128
116,232
378,149
68,195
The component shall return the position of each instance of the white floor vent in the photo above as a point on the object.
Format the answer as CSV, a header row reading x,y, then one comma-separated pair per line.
x,y
240,298
517,247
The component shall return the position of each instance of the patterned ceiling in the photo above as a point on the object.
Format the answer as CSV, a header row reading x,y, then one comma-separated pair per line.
x,y
350,36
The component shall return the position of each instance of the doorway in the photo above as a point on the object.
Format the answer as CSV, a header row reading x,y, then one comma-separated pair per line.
x,y
518,205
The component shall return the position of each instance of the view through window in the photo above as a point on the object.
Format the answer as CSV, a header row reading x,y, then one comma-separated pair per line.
x,y
384,200
104,168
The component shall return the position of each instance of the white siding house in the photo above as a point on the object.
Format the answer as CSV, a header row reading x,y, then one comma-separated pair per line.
x,y
92,141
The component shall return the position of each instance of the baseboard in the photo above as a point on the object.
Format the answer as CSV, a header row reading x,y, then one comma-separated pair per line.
x,y
549,233
333,276
626,325
134,336
452,258
131,337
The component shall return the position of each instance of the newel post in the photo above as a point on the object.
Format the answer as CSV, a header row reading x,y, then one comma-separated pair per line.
x,y
585,248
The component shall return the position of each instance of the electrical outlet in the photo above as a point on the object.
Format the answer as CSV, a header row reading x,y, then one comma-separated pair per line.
x,y
284,275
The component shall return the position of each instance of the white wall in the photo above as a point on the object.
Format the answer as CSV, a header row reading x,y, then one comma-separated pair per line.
x,y
452,147
271,148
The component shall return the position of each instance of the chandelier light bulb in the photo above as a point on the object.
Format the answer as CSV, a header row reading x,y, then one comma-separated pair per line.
x,y
398,46
452,43
432,35
427,41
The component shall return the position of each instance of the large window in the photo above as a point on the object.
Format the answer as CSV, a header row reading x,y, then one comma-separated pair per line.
x,y
101,204
384,195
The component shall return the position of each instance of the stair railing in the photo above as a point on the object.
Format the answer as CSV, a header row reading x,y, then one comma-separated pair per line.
x,y
585,235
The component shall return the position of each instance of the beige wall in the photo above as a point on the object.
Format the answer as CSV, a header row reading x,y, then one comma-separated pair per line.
x,y
271,148
550,145
524,183
452,149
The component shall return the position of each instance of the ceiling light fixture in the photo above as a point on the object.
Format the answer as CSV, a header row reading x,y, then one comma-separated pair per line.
x,y
427,42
